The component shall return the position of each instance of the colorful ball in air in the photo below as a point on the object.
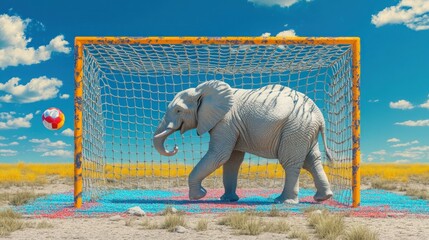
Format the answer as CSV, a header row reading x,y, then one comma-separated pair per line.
x,y
53,118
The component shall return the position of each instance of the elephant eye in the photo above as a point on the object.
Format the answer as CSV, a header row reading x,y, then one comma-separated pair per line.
x,y
178,111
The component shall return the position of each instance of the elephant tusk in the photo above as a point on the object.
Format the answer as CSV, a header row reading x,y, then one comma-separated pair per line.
x,y
164,133
159,139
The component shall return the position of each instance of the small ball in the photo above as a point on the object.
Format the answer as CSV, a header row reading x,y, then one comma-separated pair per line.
x,y
53,118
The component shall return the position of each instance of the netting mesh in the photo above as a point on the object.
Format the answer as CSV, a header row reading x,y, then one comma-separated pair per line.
x,y
127,87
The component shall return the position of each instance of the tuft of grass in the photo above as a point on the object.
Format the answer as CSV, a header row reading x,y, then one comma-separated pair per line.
x,y
383,184
252,212
246,223
277,227
146,224
169,211
299,234
9,213
202,225
360,233
274,212
254,226
417,193
311,209
44,224
21,198
10,221
251,224
327,225
234,220
172,221
129,222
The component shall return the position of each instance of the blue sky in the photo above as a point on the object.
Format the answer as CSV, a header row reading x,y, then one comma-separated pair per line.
x,y
36,60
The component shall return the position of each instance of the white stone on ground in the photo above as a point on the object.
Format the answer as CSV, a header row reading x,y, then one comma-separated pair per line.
x,y
173,210
136,211
180,229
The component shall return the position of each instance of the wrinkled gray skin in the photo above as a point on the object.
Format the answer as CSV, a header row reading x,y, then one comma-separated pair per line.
x,y
274,122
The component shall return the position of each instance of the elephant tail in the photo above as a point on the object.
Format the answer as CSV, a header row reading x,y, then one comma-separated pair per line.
x,y
327,151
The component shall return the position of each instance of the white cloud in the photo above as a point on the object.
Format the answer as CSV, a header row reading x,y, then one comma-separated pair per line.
x,y
267,34
270,3
374,100
402,161
12,122
40,149
41,88
8,153
413,153
2,138
425,105
64,96
9,144
393,140
419,148
380,152
68,132
47,143
51,149
407,154
406,144
375,156
401,104
22,138
13,44
286,33
418,123
412,13
58,153
37,112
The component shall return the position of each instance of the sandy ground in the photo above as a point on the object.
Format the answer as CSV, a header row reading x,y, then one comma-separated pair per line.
x,y
104,228
403,228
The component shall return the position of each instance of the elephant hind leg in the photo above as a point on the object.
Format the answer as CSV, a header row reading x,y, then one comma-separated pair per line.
x,y
230,175
313,164
291,187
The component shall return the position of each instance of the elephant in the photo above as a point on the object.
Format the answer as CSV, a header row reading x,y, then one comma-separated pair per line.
x,y
274,122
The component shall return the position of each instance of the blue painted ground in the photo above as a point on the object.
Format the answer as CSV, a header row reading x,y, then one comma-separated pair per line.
x,y
374,203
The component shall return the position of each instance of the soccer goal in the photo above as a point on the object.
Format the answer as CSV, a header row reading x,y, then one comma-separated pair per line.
x,y
123,86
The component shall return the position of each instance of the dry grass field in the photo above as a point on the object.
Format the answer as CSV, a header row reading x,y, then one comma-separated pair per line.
x,y
21,183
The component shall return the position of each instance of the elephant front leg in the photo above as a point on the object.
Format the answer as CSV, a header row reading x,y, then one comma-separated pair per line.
x,y
291,187
203,169
313,164
208,164
230,175
221,146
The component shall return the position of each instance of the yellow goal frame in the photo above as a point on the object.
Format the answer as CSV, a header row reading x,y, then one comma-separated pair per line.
x,y
78,71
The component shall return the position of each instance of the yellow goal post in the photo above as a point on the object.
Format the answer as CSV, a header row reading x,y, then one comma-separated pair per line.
x,y
122,86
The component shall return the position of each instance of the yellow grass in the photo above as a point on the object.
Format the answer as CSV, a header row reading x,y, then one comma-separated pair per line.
x,y
181,170
398,172
27,173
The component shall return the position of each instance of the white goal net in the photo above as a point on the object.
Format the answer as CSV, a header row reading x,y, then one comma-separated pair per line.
x,y
128,85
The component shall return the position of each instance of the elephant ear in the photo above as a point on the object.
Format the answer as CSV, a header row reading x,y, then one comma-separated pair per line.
x,y
215,100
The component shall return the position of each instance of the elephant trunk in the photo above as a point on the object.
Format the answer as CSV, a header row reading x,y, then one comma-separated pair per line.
x,y
158,142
